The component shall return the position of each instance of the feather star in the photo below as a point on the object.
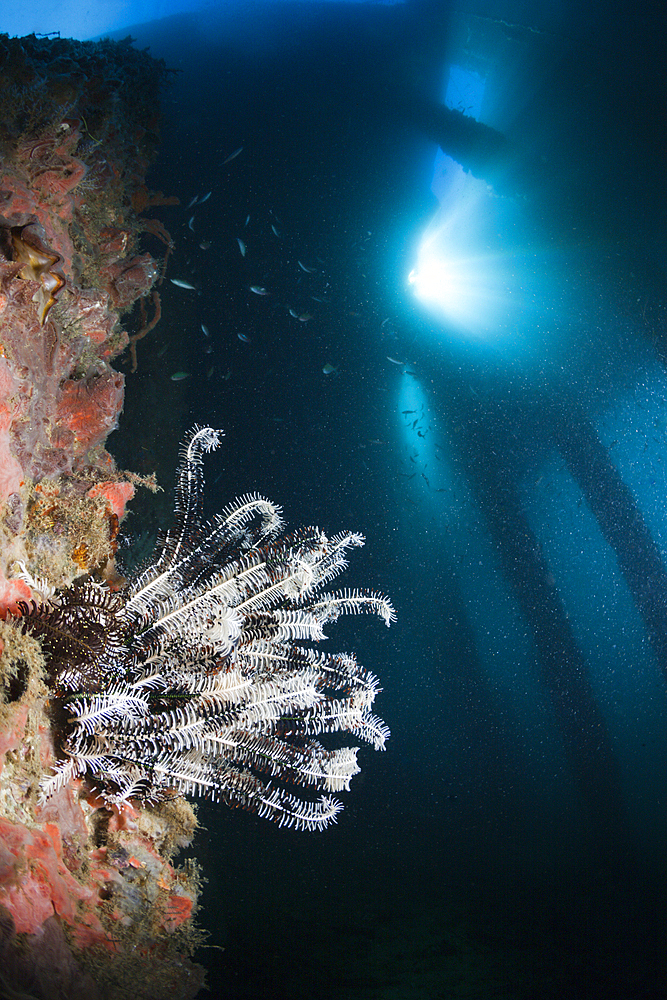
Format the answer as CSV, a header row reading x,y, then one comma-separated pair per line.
x,y
202,676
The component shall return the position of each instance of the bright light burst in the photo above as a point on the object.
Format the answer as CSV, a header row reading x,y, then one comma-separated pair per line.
x,y
462,275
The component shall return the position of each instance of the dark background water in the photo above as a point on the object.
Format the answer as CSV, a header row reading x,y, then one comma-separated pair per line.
x,y
511,841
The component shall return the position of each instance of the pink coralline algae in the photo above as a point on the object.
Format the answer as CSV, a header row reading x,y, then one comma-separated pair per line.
x,y
91,902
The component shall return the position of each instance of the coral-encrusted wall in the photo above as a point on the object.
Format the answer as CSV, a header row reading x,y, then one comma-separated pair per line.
x,y
90,902
98,885
78,130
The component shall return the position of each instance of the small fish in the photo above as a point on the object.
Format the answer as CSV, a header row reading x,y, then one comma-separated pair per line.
x,y
243,338
205,198
384,322
308,270
179,376
329,369
205,330
182,284
394,361
293,313
232,156
247,220
191,224
205,245
242,246
275,231
304,317
407,411
258,290
193,201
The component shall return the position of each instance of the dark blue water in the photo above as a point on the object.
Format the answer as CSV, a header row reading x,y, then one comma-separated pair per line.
x,y
511,841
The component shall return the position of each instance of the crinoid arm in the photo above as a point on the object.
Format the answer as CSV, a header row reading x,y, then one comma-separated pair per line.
x,y
204,676
353,602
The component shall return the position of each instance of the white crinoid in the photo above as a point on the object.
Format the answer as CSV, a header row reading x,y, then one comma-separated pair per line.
x,y
202,677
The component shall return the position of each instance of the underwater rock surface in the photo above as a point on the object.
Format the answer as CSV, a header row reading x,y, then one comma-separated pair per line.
x,y
78,130
91,903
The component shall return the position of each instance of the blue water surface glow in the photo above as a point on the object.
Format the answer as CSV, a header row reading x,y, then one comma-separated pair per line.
x,y
84,21
460,276
468,273
90,20
455,276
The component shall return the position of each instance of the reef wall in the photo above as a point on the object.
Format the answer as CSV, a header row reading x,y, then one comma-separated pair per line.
x,y
78,129
90,902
